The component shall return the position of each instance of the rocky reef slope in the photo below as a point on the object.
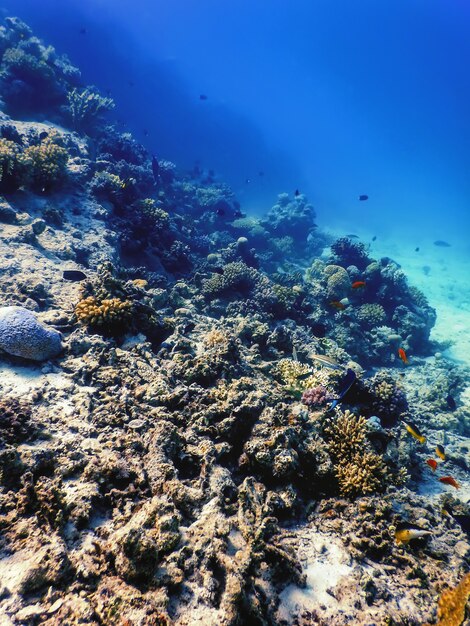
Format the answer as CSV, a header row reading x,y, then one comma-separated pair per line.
x,y
174,456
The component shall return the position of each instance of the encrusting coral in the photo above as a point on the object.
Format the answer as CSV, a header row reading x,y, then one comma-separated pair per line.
x,y
452,604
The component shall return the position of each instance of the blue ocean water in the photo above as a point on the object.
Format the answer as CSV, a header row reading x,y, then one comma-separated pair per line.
x,y
332,97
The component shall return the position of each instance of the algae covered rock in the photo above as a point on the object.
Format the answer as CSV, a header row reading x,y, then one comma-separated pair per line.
x,y
22,335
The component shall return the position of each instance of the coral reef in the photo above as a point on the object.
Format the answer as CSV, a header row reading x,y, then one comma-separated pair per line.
x,y
179,460
452,604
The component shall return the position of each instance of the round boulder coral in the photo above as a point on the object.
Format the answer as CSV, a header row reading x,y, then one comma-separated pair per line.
x,y
22,335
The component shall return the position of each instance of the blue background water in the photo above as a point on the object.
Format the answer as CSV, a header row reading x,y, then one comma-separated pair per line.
x,y
333,97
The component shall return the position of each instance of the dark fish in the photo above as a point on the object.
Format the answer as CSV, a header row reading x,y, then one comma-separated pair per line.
x,y
363,197
417,249
441,244
155,168
43,135
218,270
304,376
451,403
318,329
73,275
296,193
220,212
374,237
83,31
247,181
464,522
202,96
261,173
346,384
131,83
146,132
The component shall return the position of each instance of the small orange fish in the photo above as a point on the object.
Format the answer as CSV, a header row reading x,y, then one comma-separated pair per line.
x,y
448,480
358,283
402,355
432,464
338,305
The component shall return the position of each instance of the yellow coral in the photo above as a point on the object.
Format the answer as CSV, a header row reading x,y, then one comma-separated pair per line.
x,y
46,163
452,604
358,470
289,371
347,435
103,313
361,474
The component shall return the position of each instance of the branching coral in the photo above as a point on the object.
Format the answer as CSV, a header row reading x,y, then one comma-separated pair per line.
x,y
11,168
46,164
371,314
358,469
338,282
237,276
289,372
84,106
109,314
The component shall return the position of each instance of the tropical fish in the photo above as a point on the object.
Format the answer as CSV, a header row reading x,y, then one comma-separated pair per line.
x,y
440,452
417,249
304,376
345,386
327,361
451,403
363,197
414,431
73,275
155,168
405,534
448,480
432,464
464,522
338,305
402,355
318,329
374,238
294,354
358,283
202,96
441,244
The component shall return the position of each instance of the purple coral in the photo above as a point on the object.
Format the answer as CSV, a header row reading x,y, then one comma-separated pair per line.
x,y
316,396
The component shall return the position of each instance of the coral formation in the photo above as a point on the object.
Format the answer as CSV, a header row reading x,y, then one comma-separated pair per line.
x,y
109,315
21,334
84,105
452,604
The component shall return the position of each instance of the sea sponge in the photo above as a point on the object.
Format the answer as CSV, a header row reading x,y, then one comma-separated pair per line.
x,y
46,163
338,282
452,604
371,314
22,335
110,315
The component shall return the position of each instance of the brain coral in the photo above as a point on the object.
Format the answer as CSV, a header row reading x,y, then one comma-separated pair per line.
x,y
22,335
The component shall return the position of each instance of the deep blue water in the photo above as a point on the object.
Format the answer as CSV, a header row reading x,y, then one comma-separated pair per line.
x,y
333,97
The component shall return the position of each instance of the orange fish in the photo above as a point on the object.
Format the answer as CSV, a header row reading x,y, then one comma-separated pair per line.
x,y
448,480
338,305
432,464
402,355
358,283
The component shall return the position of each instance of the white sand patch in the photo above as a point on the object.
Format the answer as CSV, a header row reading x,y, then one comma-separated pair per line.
x,y
325,563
